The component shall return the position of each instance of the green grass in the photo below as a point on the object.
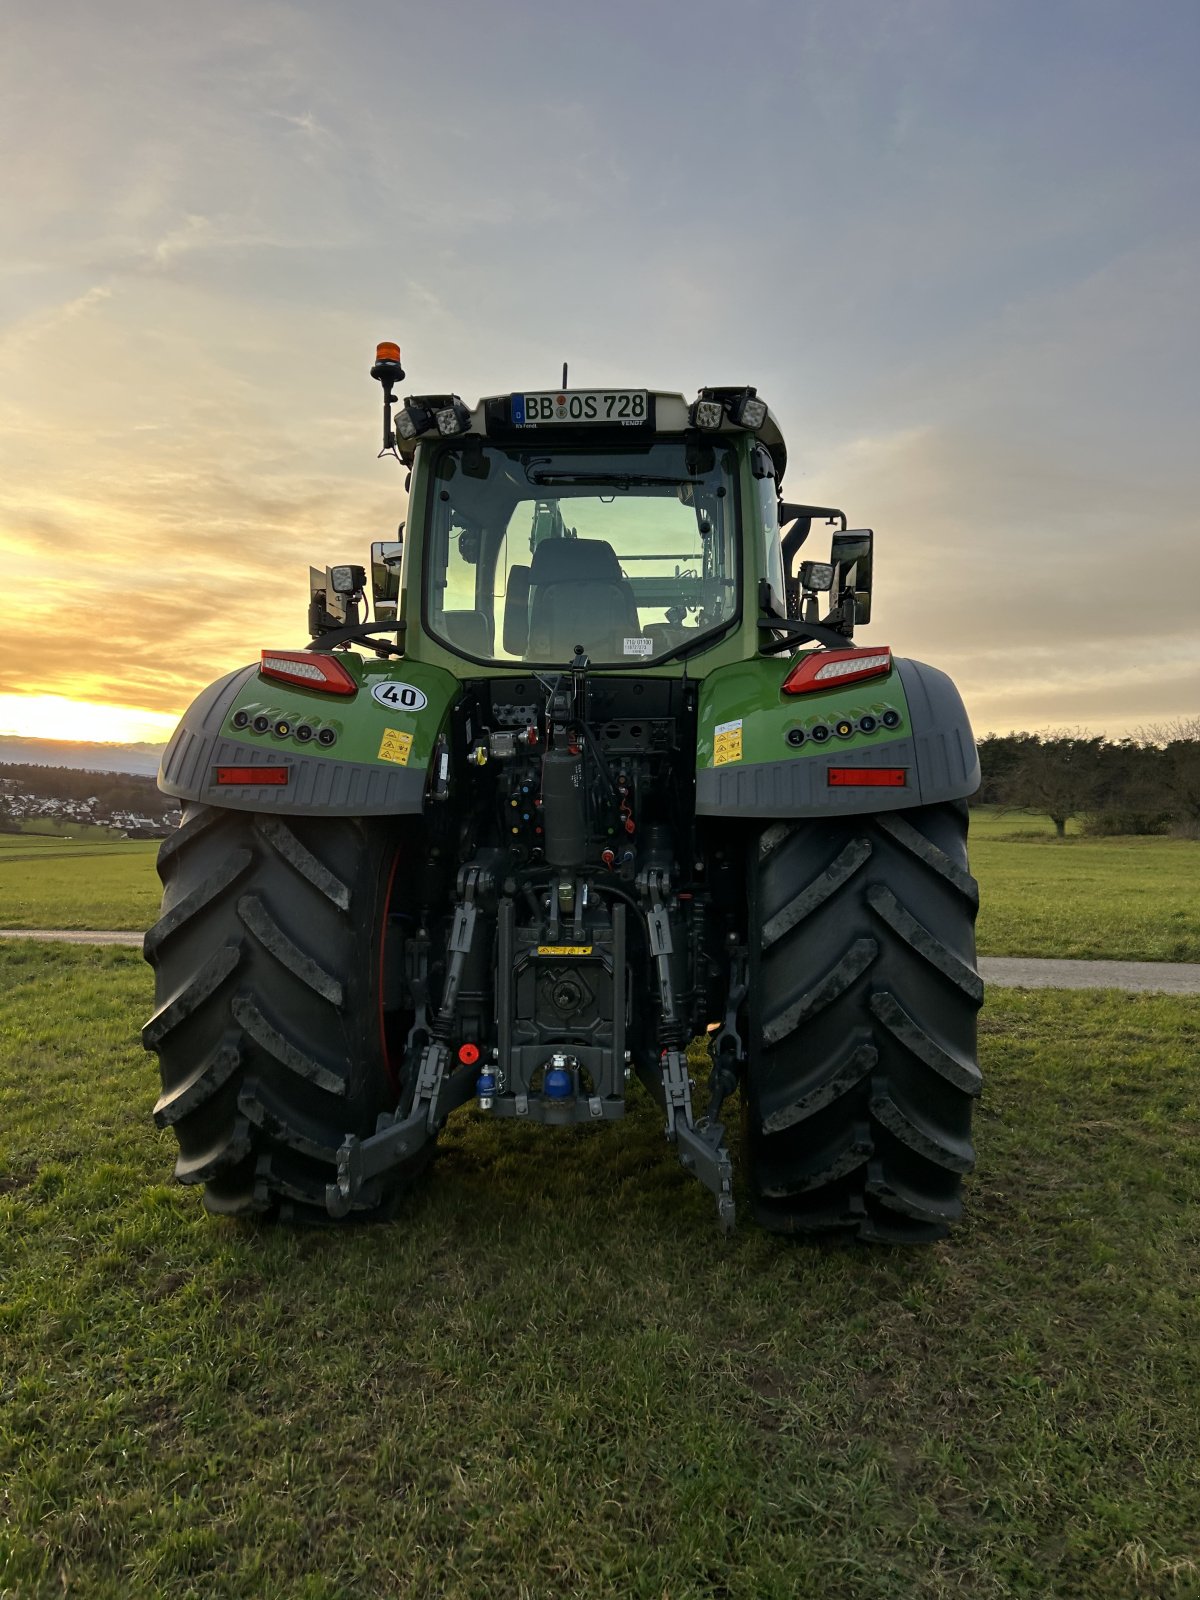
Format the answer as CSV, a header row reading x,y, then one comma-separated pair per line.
x,y
552,1377
43,827
1135,899
85,882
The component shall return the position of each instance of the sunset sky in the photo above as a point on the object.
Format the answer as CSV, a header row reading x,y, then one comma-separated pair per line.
x,y
955,243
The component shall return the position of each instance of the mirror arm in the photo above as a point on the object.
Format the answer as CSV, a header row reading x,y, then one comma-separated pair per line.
x,y
361,632
795,633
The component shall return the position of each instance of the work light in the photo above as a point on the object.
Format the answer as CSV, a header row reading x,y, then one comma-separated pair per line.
x,y
747,411
454,418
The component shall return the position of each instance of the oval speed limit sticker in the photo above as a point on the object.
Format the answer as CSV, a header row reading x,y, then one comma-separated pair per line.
x,y
399,696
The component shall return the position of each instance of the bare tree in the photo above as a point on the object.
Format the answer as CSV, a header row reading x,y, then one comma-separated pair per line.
x,y
1059,772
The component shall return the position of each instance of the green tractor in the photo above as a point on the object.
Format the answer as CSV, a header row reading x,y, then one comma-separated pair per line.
x,y
601,772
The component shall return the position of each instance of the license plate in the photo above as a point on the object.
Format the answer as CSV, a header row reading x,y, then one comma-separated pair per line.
x,y
580,406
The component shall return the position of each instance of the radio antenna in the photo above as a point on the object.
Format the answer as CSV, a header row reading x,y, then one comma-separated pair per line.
x,y
564,382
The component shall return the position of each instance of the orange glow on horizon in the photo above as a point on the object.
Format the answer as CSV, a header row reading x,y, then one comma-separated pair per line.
x,y
54,716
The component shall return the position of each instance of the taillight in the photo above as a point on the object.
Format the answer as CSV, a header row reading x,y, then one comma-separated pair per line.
x,y
829,669
308,671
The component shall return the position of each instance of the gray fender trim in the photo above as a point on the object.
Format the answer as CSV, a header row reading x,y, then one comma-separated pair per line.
x,y
318,786
947,760
940,753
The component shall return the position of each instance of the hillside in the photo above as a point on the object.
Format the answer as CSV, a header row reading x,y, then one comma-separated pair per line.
x,y
142,759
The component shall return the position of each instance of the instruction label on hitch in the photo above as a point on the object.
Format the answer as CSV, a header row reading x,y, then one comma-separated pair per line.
x,y
727,742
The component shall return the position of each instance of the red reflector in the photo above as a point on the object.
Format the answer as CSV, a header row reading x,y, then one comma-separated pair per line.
x,y
308,669
868,777
277,775
829,669
468,1054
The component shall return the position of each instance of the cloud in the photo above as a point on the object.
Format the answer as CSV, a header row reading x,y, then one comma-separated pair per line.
x,y
40,325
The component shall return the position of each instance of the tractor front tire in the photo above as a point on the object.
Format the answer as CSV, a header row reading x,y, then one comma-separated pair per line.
x,y
271,1027
864,993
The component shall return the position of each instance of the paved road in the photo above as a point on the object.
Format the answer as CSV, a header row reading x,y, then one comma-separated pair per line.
x,y
1006,972
1023,972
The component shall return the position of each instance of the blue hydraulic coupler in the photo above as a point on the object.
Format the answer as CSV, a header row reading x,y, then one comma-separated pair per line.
x,y
485,1088
559,1083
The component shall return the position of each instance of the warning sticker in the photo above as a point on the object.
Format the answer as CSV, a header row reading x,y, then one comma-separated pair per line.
x,y
641,646
396,746
727,742
564,949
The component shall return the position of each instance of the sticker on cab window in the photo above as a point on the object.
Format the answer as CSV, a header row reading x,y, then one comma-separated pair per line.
x,y
641,646
399,696
727,743
395,746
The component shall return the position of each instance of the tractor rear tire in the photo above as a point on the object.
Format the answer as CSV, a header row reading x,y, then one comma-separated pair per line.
x,y
270,1023
864,991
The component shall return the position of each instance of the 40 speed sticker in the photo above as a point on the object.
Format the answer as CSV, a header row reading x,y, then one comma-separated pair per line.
x,y
399,696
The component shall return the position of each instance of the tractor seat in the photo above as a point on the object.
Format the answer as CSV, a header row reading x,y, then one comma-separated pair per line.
x,y
579,595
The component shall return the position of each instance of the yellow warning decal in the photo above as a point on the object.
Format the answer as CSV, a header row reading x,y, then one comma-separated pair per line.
x,y
396,746
564,949
727,742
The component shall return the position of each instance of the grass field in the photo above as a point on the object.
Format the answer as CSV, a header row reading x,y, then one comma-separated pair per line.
x,y
1135,898
554,1378
56,882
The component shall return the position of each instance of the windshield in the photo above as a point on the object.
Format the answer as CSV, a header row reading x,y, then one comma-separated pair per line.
x,y
629,552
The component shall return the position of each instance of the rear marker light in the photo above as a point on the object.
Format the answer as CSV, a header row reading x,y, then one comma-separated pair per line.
x,y
264,775
868,777
823,669
323,672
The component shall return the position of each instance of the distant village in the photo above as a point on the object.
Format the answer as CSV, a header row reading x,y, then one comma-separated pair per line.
x,y
130,806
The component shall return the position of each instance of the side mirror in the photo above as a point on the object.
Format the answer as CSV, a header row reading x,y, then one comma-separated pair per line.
x,y
801,519
852,555
385,569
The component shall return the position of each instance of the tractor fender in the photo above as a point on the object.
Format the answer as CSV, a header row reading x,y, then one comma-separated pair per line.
x,y
382,741
761,753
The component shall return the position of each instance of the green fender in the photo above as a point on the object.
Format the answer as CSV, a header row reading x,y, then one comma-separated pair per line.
x,y
382,741
761,753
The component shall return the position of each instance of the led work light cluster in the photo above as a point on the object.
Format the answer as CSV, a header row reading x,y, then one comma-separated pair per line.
x,y
446,414
742,406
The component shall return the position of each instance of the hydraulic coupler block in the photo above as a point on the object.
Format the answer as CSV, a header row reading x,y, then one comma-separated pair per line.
x,y
564,808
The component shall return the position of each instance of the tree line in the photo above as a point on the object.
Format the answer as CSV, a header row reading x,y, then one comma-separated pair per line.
x,y
1148,784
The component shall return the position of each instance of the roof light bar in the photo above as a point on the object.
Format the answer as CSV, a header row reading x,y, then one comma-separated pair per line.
x,y
829,669
308,670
